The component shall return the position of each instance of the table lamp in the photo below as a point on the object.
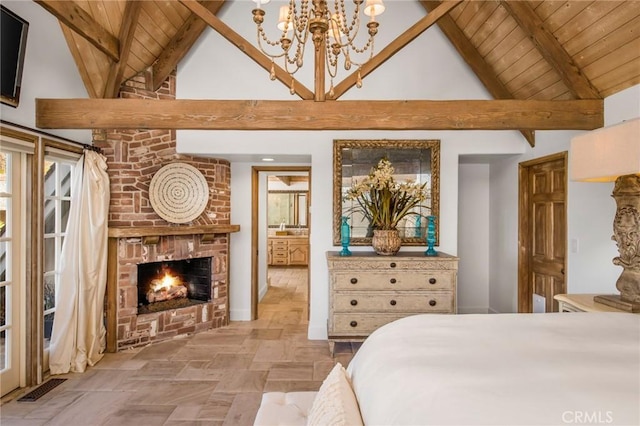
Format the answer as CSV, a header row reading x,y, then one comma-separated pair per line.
x,y
613,154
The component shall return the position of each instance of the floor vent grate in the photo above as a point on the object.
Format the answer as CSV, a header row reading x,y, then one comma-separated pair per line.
x,y
41,390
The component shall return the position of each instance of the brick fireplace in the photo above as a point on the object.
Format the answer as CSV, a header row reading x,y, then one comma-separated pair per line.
x,y
137,235
172,284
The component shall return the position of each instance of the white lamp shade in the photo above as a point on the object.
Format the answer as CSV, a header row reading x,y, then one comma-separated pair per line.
x,y
283,22
373,7
334,27
604,154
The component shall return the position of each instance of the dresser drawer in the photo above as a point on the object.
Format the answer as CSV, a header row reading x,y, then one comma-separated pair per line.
x,y
359,324
394,280
394,263
390,302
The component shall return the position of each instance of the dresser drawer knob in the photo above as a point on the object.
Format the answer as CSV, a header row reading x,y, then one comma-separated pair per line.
x,y
353,323
392,281
392,264
392,303
354,302
354,280
432,280
432,302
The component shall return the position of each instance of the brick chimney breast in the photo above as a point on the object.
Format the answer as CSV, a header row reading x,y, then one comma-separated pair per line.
x,y
133,157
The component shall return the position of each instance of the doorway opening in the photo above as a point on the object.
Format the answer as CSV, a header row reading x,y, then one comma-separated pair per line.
x,y
280,241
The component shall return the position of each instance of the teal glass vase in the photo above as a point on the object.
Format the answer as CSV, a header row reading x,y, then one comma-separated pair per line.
x,y
431,236
345,236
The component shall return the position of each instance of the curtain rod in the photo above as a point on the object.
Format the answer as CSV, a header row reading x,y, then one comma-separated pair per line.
x,y
50,135
92,148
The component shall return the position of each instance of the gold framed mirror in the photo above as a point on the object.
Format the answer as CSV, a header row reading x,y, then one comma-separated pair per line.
x,y
417,160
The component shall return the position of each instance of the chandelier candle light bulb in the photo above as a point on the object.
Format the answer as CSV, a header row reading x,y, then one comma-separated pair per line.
x,y
259,3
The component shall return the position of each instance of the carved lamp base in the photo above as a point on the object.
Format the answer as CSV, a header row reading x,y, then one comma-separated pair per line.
x,y
626,234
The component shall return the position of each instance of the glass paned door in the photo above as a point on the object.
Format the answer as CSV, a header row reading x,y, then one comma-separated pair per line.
x,y
57,202
10,272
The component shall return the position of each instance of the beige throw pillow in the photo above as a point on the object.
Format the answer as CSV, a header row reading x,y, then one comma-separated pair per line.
x,y
335,404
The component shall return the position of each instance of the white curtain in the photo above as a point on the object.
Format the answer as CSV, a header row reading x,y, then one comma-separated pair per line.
x,y
78,336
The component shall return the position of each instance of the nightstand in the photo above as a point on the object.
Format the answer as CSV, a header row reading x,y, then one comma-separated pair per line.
x,y
581,303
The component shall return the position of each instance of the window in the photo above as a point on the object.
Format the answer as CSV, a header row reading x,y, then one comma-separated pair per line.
x,y
12,281
58,176
5,255
28,210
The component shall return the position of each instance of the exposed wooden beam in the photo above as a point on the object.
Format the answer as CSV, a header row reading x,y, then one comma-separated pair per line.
x,y
395,46
474,59
310,115
180,44
247,48
551,49
127,31
74,17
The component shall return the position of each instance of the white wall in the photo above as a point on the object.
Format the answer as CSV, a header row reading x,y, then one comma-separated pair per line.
x,y
590,213
49,69
473,238
201,75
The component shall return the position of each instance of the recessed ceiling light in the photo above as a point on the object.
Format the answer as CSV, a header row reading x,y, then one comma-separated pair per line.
x,y
267,159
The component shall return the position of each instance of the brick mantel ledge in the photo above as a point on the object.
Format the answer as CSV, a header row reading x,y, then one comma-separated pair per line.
x,y
151,234
161,231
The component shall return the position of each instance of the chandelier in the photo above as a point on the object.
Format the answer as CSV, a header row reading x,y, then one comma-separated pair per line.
x,y
332,30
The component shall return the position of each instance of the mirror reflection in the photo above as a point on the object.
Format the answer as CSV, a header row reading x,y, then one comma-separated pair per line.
x,y
288,201
288,208
415,160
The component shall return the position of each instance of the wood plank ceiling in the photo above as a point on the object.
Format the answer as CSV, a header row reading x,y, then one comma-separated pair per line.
x,y
550,50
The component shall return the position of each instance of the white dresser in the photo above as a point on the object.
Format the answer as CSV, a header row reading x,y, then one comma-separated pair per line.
x,y
367,291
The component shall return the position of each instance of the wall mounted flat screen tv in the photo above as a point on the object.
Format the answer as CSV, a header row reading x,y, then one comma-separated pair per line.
x,y
13,41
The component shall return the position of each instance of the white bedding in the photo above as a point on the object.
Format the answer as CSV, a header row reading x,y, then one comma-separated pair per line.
x,y
502,369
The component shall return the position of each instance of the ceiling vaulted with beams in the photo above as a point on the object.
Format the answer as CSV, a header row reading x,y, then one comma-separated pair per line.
x,y
550,55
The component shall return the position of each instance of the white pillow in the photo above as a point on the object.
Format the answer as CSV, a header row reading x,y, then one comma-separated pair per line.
x,y
335,403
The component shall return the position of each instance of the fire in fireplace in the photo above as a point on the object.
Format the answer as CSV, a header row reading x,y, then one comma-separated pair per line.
x,y
173,284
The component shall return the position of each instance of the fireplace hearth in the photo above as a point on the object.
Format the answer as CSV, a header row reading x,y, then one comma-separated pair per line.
x,y
173,284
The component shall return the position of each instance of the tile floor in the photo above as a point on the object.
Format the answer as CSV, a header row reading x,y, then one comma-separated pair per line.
x,y
214,378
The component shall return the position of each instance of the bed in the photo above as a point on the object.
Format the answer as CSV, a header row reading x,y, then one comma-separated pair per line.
x,y
503,369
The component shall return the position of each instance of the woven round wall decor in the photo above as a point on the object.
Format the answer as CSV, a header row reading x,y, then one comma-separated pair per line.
x,y
178,193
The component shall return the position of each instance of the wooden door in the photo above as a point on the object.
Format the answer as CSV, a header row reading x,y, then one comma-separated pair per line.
x,y
12,265
542,231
